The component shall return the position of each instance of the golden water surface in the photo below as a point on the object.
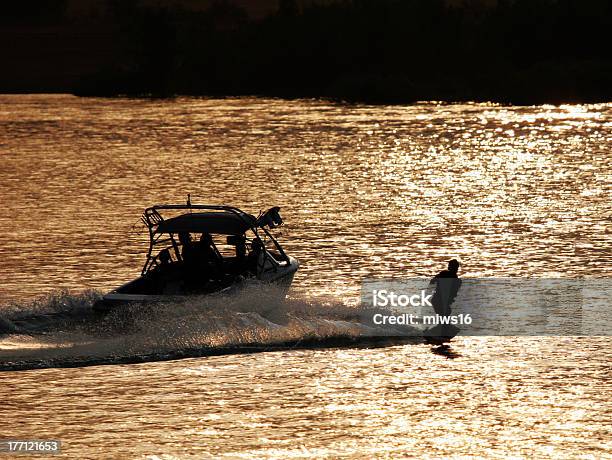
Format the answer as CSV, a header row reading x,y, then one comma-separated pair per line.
x,y
366,191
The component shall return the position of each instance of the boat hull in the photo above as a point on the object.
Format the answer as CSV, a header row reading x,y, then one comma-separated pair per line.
x,y
281,279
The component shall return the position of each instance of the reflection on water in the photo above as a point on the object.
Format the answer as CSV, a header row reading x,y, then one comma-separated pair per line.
x,y
525,398
366,192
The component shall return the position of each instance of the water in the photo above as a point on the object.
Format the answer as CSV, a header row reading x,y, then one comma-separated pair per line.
x,y
366,192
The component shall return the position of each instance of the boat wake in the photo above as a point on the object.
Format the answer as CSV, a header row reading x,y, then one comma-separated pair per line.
x,y
62,330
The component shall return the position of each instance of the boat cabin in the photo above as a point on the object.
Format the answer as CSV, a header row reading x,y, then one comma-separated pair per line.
x,y
199,249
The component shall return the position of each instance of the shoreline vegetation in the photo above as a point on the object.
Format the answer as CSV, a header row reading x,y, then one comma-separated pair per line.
x,y
520,52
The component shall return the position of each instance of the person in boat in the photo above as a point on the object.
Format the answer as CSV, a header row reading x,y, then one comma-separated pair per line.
x,y
240,248
207,249
253,257
188,249
164,258
239,265
190,255
447,285
162,266
210,262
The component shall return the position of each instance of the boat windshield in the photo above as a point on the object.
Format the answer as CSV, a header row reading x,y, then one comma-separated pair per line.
x,y
233,254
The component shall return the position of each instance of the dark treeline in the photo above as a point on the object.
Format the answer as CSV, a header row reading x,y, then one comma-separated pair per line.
x,y
33,12
518,51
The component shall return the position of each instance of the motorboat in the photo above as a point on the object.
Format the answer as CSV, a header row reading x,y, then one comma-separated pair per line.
x,y
205,249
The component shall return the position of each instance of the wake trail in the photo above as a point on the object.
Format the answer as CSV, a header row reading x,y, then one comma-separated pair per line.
x,y
62,330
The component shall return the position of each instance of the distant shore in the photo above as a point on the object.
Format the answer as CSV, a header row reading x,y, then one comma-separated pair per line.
x,y
362,51
369,98
524,88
